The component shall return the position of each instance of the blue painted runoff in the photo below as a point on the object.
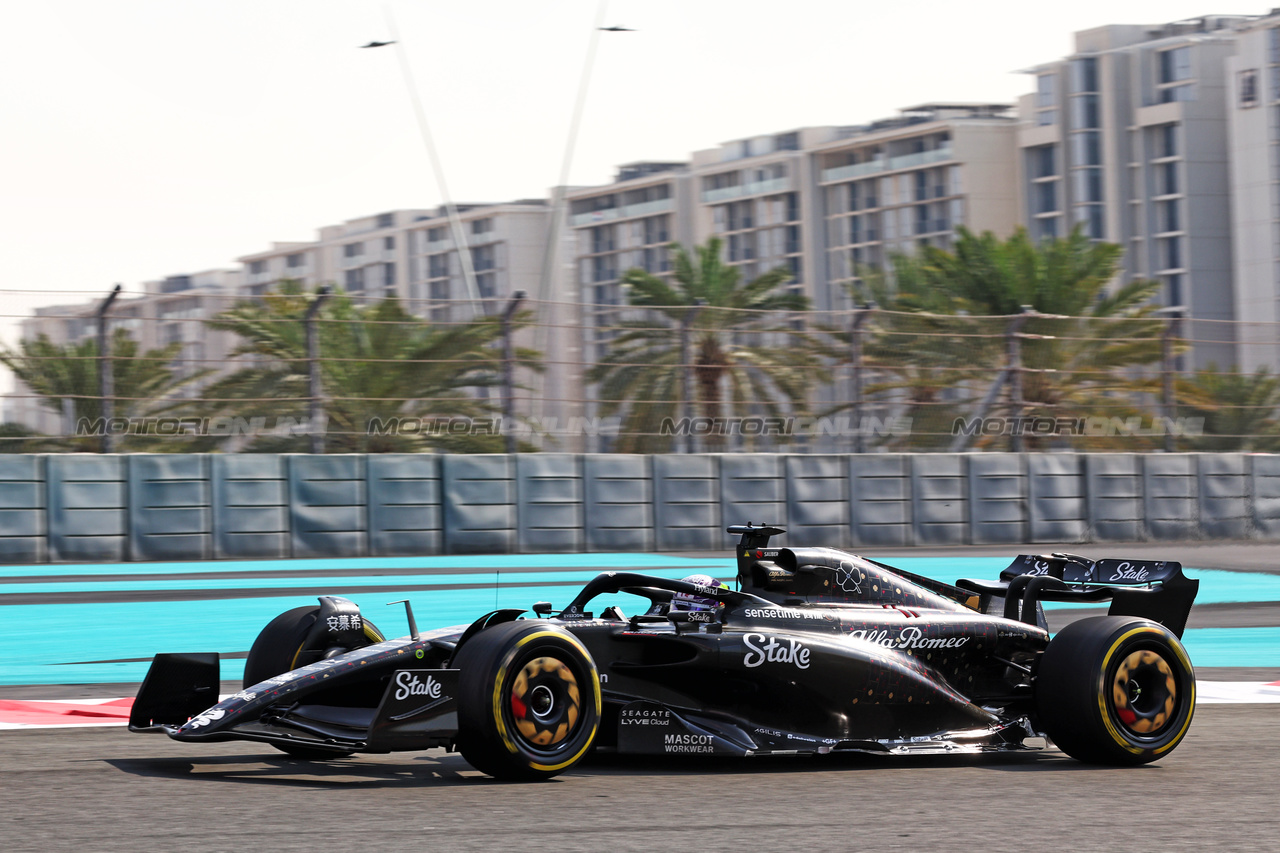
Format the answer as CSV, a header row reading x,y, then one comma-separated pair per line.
x,y
87,643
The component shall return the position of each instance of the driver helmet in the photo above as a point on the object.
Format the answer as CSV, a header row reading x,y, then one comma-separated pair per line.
x,y
684,601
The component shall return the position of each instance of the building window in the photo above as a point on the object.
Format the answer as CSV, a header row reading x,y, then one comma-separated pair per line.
x,y
602,239
1168,215
386,220
483,258
1086,148
1088,185
1084,75
1168,140
1043,163
355,280
1175,64
1084,112
787,142
482,226
389,278
438,266
435,235
353,250
1171,253
257,267
296,260
1046,99
721,181
388,243
1168,179
1046,195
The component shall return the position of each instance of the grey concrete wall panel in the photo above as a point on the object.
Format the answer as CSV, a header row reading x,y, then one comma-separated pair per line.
x,y
23,525
250,505
997,499
88,509
753,488
406,516
170,507
328,516
1171,495
479,504
1113,486
686,503
880,499
619,502
1265,489
1056,502
818,500
1224,495
549,493
939,498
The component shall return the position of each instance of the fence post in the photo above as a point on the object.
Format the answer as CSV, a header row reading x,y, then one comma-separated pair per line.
x,y
106,379
686,373
315,406
1168,369
1013,337
860,316
508,371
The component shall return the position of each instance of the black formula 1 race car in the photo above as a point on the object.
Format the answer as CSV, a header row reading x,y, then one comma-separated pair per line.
x,y
818,651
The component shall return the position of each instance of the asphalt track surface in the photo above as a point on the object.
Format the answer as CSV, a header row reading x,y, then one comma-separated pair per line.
x,y
103,789
106,790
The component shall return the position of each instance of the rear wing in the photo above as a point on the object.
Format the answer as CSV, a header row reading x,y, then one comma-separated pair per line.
x,y
1148,589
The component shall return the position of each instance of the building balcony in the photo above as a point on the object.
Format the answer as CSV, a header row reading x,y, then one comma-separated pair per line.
x,y
769,187
629,211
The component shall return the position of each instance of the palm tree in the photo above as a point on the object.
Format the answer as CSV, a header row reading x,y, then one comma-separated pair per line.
x,y
734,338
1079,361
1239,409
67,375
378,363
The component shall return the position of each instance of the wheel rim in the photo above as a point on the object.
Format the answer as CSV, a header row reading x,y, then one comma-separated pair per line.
x,y
1144,693
546,703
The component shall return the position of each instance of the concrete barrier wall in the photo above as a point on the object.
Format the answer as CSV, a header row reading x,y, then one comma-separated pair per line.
x,y
89,508
250,506
23,501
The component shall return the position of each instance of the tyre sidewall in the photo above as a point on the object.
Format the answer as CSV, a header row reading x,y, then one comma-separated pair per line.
x,y
1075,682
490,663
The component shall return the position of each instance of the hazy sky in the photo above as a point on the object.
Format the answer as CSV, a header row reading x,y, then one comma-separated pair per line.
x,y
145,138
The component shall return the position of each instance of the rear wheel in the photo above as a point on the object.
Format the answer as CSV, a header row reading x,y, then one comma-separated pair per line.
x,y
529,701
1115,690
277,650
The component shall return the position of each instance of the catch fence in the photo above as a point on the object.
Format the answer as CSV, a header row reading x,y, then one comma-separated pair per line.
x,y
289,373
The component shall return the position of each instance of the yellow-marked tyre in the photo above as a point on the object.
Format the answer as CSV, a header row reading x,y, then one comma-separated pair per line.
x,y
276,650
1115,690
529,700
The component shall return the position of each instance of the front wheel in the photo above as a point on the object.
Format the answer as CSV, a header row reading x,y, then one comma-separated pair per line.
x,y
529,701
1115,690
277,650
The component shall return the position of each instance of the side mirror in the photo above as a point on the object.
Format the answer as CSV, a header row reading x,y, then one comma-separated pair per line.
x,y
542,608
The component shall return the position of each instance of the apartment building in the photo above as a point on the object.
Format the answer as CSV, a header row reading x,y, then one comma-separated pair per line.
x,y
171,310
367,257
627,224
1253,128
1127,138
904,182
